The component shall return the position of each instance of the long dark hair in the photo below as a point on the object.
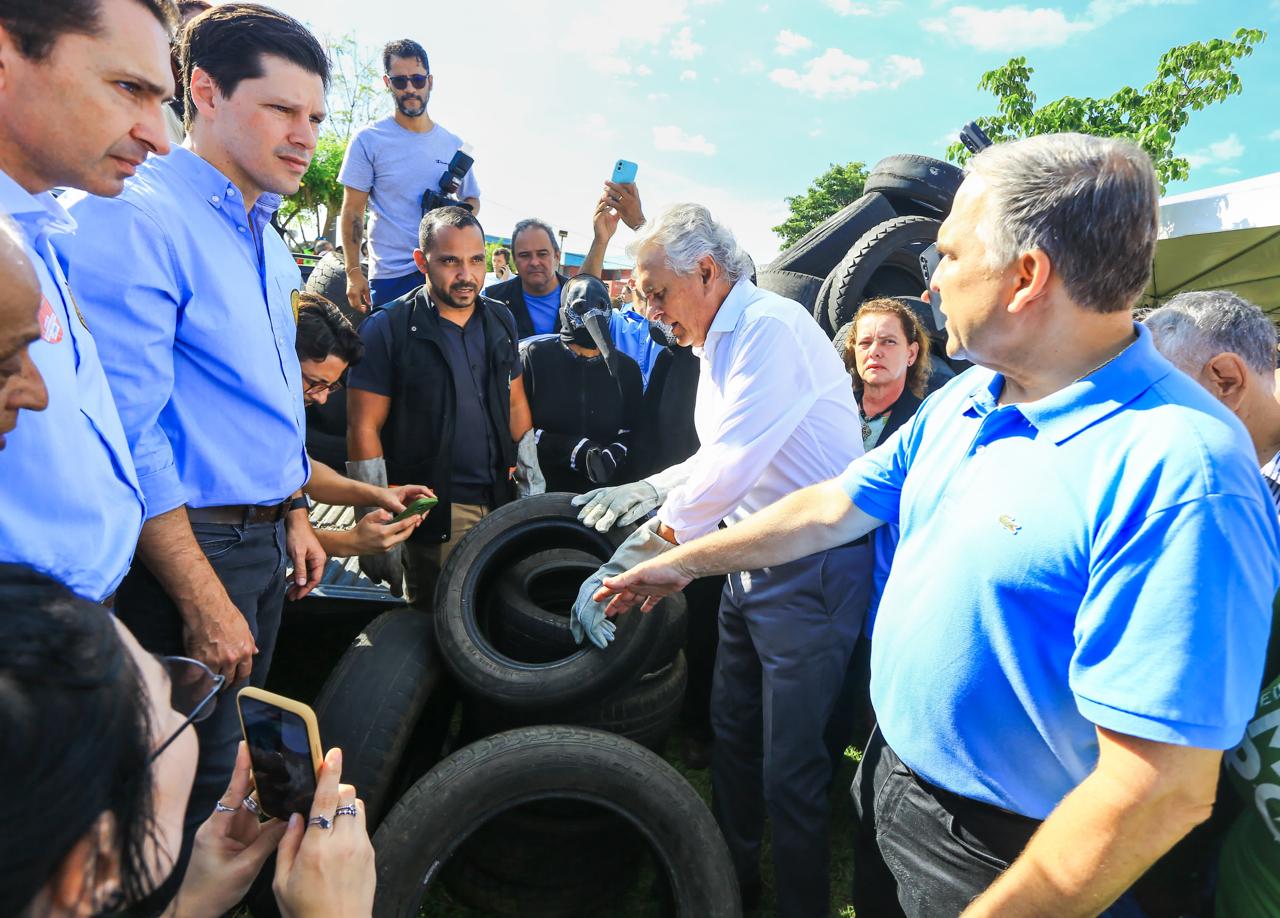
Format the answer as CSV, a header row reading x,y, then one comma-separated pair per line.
x,y
75,722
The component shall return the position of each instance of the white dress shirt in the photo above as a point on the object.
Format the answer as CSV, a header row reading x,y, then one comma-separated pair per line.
x,y
775,413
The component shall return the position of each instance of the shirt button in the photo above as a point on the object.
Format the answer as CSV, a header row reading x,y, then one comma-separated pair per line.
x,y
214,198
413,328
240,228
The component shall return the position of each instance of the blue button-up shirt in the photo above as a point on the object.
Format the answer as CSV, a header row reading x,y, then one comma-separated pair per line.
x,y
1105,556
190,299
70,505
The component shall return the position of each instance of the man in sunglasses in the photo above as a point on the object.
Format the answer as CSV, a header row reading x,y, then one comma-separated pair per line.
x,y
389,165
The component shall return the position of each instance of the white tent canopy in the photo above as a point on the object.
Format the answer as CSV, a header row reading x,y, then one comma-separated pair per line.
x,y
1226,237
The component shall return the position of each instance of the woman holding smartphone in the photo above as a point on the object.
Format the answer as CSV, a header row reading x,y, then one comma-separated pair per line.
x,y
98,765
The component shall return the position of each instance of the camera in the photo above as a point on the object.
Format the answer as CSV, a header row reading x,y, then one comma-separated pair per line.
x,y
450,182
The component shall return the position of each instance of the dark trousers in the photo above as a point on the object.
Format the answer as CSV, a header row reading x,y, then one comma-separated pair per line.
x,y
924,852
385,289
786,634
701,639
250,562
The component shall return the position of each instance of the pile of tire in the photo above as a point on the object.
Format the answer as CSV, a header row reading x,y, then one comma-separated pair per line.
x,y
872,248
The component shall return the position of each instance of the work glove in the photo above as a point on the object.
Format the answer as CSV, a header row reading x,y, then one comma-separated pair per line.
x,y
388,565
601,462
587,620
605,508
529,478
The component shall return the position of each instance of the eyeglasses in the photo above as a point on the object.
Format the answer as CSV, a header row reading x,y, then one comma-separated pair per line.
x,y
193,692
419,80
313,386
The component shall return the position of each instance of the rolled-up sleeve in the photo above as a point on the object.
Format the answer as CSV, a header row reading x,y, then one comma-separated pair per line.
x,y
121,269
767,362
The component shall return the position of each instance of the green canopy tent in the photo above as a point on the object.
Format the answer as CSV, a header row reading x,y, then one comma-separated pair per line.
x,y
1226,237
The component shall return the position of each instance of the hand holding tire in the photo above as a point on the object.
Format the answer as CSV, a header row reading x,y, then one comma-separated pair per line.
x,y
324,866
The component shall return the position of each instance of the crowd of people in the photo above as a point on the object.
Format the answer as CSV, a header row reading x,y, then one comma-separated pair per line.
x,y
1055,572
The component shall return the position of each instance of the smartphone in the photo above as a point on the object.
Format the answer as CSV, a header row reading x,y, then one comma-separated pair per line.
x,y
624,172
929,259
418,508
284,746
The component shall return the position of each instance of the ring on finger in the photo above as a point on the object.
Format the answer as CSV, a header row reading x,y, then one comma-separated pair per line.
x,y
250,804
220,807
346,810
324,822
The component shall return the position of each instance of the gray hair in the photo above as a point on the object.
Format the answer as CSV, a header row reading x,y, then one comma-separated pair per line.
x,y
535,223
1192,328
687,232
1089,203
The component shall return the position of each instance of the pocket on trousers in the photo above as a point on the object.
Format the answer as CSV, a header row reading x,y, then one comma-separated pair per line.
x,y
216,541
973,846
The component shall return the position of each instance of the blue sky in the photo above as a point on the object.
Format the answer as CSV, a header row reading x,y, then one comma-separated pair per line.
x,y
737,104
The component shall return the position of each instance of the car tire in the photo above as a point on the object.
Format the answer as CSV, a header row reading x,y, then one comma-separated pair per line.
x,y
802,288
819,250
493,776
329,279
884,262
532,601
907,178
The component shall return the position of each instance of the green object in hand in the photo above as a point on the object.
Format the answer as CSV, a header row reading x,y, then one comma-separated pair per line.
x,y
418,508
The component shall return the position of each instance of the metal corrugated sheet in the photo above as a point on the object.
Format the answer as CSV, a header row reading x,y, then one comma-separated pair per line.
x,y
343,578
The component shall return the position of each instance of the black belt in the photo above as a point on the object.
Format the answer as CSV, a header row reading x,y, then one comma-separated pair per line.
x,y
239,514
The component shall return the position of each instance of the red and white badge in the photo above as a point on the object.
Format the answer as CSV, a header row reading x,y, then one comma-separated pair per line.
x,y
50,327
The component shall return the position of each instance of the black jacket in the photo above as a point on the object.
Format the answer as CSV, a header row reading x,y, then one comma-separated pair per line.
x,y
417,438
667,435
511,294
901,412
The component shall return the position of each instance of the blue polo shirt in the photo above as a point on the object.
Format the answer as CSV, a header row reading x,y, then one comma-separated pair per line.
x,y
70,504
543,310
1103,556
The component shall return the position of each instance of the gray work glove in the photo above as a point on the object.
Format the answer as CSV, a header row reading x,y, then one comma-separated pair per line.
x,y
389,565
587,620
605,508
529,478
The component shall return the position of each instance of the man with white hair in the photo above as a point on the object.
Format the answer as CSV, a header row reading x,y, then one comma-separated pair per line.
x,y
1068,637
774,414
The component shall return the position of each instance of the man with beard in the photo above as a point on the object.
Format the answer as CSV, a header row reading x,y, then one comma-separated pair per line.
x,y
439,399
389,165
188,289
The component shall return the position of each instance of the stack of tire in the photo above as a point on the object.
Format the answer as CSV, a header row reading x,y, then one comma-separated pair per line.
x,y
872,248
499,639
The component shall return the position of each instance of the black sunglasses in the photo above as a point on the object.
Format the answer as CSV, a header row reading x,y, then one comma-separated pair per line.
x,y
193,692
418,80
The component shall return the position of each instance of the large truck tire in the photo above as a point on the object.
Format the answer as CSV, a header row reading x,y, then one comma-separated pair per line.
x,y
884,262
819,250
907,178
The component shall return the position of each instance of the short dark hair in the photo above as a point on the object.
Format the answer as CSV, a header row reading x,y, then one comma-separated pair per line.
x,y
193,7
403,47
229,40
36,25
504,251
75,717
535,223
434,220
323,332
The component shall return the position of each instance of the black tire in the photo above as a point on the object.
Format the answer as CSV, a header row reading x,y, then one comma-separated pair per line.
x,y
672,637
802,288
506,536
531,604
884,262
644,712
371,703
907,177
490,777
329,279
819,250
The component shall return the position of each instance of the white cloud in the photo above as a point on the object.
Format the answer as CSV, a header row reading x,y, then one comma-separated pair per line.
x,y
852,8
789,43
764,7
1227,170
613,66
657,97
683,47
1274,135
1221,151
672,139
687,75
816,132
753,65
1016,27
593,35
835,73
644,70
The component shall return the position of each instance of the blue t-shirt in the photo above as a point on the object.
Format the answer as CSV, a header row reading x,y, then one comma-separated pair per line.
x,y
543,310
1103,556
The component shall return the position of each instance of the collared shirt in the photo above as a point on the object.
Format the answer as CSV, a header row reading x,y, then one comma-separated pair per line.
x,y
774,413
1105,556
190,299
473,446
630,334
70,504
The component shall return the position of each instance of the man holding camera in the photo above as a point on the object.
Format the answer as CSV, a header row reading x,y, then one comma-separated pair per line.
x,y
390,164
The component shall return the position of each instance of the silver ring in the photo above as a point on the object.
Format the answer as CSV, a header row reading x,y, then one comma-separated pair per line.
x,y
250,804
322,821
220,807
348,810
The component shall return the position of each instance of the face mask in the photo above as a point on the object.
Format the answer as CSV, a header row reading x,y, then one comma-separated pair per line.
x,y
584,315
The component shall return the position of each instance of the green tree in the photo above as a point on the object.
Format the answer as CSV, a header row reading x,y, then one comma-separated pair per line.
x,y
838,186
1188,78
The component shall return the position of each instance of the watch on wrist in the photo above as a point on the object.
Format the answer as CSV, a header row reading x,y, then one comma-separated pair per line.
x,y
300,503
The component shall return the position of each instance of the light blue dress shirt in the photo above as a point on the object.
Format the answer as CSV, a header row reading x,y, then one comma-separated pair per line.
x,y
70,505
1105,556
631,336
191,302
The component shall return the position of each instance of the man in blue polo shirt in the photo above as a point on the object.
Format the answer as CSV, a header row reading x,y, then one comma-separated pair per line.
x,y
1074,624
534,295
70,503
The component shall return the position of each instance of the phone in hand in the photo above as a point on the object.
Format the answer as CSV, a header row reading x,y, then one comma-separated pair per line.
x,y
284,749
624,172
929,260
418,508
